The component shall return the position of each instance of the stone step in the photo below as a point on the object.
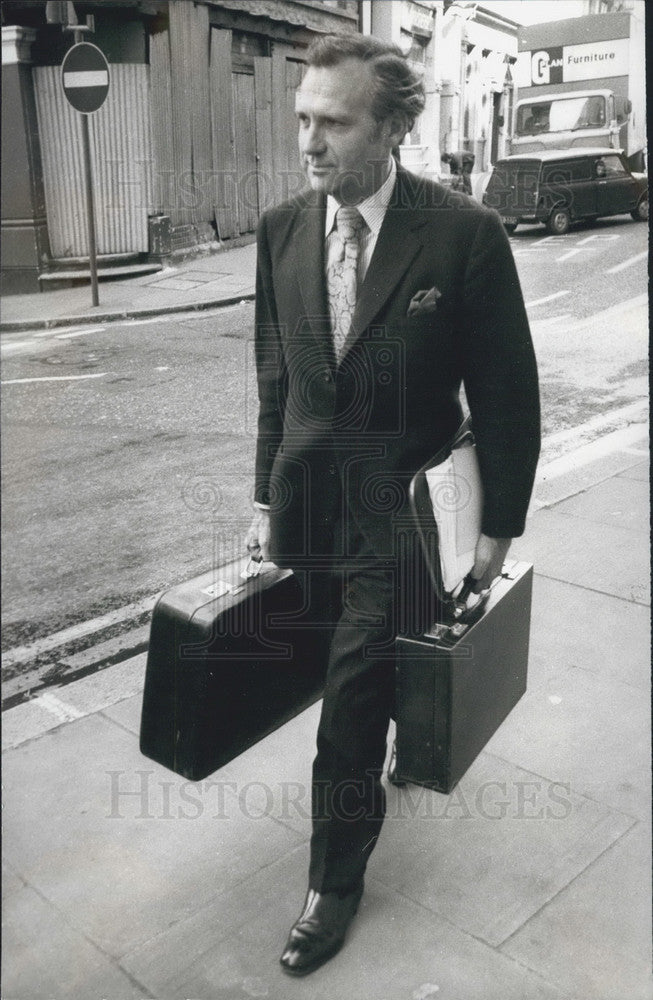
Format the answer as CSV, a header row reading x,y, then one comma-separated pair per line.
x,y
61,279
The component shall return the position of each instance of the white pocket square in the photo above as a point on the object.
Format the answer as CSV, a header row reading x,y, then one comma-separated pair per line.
x,y
424,301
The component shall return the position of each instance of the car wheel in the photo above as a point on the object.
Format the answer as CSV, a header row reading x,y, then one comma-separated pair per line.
x,y
640,214
558,221
510,226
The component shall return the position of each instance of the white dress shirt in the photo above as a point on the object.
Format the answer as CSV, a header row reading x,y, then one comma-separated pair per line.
x,y
373,210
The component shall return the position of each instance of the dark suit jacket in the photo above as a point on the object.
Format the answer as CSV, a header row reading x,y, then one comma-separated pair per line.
x,y
344,441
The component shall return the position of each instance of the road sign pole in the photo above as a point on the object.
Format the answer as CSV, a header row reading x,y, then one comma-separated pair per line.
x,y
90,212
85,80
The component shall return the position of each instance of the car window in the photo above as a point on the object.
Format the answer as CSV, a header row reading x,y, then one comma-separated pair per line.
x,y
609,166
556,173
564,171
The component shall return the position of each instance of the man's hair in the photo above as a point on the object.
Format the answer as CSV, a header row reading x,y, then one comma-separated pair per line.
x,y
398,89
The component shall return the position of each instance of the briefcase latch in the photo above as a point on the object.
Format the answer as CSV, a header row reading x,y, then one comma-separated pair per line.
x,y
448,633
437,631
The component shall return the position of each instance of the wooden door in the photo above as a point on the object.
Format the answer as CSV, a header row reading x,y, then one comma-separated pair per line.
x,y
255,158
247,204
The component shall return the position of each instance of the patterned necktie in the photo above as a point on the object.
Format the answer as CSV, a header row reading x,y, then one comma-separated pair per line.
x,y
342,273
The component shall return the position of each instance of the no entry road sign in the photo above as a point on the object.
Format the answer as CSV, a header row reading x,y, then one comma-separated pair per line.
x,y
85,77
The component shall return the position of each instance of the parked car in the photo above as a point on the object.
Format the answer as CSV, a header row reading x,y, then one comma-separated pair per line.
x,y
558,187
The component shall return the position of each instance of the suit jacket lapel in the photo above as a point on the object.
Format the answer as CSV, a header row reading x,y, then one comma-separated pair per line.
x,y
308,251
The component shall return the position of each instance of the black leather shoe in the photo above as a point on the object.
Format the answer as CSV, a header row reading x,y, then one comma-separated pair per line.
x,y
320,930
392,769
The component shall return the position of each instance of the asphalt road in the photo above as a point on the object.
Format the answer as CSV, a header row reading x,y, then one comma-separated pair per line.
x,y
128,449
586,298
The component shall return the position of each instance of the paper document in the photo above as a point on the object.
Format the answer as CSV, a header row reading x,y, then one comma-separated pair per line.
x,y
457,498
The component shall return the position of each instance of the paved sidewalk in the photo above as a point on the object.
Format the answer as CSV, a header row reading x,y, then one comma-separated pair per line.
x,y
218,278
531,881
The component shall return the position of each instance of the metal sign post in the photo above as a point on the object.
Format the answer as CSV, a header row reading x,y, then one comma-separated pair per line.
x,y
90,212
85,81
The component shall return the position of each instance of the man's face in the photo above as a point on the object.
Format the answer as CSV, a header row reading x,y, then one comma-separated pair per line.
x,y
344,150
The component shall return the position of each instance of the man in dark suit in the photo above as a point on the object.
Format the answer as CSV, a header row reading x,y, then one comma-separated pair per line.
x,y
378,295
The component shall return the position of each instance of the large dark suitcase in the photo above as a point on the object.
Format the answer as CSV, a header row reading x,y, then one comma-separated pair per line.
x,y
458,682
229,661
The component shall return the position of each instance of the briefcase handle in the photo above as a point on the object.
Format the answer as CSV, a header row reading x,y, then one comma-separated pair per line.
x,y
467,616
466,589
460,612
254,566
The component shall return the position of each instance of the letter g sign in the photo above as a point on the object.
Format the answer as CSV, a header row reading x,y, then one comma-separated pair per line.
x,y
540,67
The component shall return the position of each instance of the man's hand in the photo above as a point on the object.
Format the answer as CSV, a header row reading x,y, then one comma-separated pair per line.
x,y
258,536
490,555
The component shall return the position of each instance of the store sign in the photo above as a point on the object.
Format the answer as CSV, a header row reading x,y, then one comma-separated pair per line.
x,y
586,62
546,66
569,63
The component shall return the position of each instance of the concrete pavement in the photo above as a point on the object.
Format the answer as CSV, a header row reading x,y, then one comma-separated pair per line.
x,y
531,881
201,282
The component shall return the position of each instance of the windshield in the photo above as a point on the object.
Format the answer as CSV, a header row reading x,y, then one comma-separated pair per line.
x,y
563,115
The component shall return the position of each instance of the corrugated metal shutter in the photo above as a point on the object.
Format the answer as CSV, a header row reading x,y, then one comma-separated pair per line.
x,y
121,154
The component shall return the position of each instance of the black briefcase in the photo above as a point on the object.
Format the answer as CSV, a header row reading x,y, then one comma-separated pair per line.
x,y
458,682
229,661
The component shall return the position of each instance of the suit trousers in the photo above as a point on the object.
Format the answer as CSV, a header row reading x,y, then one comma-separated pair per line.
x,y
376,598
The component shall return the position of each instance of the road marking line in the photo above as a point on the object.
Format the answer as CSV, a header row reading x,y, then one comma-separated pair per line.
x,y
17,343
76,332
52,378
566,256
52,334
79,333
547,298
599,238
542,244
60,709
143,322
22,654
627,263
